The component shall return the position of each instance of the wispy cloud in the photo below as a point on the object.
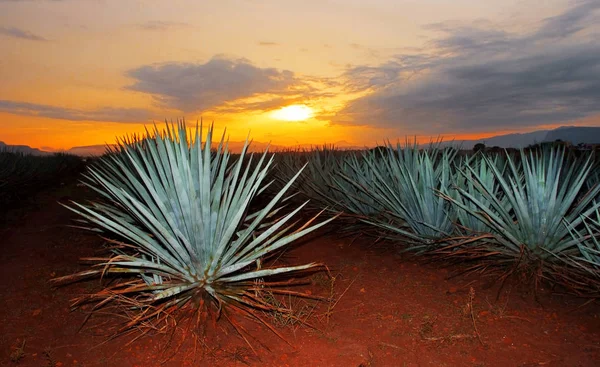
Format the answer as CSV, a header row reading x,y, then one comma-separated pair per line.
x,y
265,43
479,77
191,87
159,25
573,20
19,33
269,102
25,1
108,114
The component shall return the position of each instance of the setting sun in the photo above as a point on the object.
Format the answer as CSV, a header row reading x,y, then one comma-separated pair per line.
x,y
293,113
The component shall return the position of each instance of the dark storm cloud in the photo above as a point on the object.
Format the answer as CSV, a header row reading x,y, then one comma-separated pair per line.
x,y
194,87
477,77
19,33
108,114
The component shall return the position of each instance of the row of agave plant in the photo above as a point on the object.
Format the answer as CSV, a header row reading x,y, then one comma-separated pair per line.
x,y
194,230
533,212
24,175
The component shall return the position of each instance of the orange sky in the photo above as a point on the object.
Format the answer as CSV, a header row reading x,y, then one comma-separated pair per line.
x,y
80,72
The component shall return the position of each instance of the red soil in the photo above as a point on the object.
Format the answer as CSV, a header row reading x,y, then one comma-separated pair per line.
x,y
391,312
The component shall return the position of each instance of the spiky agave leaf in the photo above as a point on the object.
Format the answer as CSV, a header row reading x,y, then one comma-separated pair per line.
x,y
587,261
183,211
589,243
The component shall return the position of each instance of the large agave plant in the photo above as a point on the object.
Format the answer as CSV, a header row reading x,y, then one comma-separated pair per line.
x,y
181,213
537,197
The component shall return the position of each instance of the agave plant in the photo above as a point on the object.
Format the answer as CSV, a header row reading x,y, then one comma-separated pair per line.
x,y
181,216
471,171
322,182
405,185
583,268
351,183
315,181
588,242
537,197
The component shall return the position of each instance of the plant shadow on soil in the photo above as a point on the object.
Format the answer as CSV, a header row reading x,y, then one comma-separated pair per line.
x,y
385,310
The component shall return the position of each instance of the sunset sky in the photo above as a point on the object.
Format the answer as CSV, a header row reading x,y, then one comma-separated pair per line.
x,y
80,72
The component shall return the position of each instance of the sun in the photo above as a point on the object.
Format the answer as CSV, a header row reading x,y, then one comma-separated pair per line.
x,y
296,112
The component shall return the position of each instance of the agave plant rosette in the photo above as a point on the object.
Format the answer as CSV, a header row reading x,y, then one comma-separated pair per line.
x,y
186,235
323,180
351,183
315,181
584,272
404,185
527,221
475,170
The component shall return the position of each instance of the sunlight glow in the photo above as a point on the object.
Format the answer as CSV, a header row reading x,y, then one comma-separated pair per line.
x,y
297,112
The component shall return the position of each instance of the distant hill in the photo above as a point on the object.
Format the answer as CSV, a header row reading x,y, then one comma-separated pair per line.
x,y
24,149
573,134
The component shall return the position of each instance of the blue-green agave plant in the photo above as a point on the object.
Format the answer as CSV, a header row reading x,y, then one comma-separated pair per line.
x,y
181,213
525,207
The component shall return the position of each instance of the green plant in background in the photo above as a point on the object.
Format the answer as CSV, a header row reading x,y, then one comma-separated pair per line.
x,y
530,210
471,171
22,175
527,220
404,184
352,182
315,181
323,180
186,233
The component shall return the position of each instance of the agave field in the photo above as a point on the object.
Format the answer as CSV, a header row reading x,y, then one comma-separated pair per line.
x,y
531,213
22,176
177,252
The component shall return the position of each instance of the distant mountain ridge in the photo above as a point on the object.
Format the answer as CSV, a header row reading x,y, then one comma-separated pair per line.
x,y
573,134
24,149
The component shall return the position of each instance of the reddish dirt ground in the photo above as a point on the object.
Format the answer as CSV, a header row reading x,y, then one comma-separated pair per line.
x,y
389,311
